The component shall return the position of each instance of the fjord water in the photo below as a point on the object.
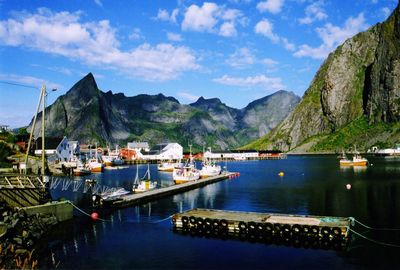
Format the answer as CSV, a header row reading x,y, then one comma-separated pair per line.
x,y
141,237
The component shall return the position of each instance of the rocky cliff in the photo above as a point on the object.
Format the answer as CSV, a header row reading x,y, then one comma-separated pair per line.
x,y
354,99
89,115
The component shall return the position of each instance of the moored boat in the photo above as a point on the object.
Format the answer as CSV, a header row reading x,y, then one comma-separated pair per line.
x,y
113,194
209,169
144,184
344,161
81,169
186,173
168,166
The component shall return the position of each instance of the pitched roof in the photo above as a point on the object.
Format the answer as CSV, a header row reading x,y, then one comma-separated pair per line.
x,y
49,143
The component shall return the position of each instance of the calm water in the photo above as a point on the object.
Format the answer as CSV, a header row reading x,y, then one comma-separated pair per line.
x,y
136,237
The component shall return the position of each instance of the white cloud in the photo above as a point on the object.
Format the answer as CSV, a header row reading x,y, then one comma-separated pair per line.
x,y
163,15
98,2
30,81
201,19
269,83
227,29
189,97
241,58
374,1
174,37
269,62
265,28
272,6
95,44
287,45
136,34
332,36
314,12
212,18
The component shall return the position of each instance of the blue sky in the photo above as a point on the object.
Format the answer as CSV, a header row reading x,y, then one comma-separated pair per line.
x,y
236,50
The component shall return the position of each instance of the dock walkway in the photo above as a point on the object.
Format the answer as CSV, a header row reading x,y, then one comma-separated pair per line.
x,y
138,198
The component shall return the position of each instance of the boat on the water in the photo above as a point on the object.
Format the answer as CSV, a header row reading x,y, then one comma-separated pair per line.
x,y
144,184
357,160
113,194
168,166
94,163
210,168
186,173
81,169
344,161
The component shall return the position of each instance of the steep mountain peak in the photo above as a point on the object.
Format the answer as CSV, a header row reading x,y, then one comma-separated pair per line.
x,y
208,101
85,88
274,98
354,93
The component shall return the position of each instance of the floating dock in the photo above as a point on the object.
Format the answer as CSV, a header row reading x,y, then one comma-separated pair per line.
x,y
298,230
139,198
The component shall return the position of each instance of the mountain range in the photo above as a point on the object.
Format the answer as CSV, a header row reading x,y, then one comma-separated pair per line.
x,y
90,115
353,100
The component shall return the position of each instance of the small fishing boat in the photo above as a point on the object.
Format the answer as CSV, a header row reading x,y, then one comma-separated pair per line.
x,y
344,161
168,166
209,169
94,163
144,184
81,169
186,173
113,194
358,160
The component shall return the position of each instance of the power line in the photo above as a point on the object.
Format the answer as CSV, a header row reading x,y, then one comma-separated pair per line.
x,y
19,84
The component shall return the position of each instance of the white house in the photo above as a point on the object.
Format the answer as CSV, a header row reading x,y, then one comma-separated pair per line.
x,y
163,151
138,146
56,149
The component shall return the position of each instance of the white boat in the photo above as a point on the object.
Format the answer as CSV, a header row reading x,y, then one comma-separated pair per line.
x,y
113,158
209,169
168,166
144,184
107,160
113,194
94,163
186,173
81,169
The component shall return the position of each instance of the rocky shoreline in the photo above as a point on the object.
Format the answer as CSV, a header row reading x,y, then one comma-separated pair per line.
x,y
19,232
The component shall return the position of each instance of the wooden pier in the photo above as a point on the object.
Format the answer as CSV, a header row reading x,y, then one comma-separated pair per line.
x,y
298,230
139,198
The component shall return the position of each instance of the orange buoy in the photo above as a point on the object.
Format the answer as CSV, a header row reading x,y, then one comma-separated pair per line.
x,y
94,216
281,174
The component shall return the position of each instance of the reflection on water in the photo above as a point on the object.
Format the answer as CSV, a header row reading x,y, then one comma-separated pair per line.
x,y
314,185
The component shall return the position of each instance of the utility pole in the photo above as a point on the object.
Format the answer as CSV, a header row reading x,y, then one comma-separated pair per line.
x,y
43,125
33,127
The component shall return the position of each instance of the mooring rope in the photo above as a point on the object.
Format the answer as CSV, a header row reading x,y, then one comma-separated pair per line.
x,y
371,228
87,214
373,240
83,212
162,220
